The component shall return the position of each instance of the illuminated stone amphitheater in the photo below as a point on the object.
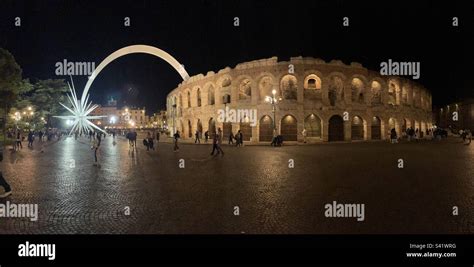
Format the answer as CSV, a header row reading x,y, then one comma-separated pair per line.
x,y
332,101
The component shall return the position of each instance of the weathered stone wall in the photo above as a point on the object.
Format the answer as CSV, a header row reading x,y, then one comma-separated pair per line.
x,y
316,87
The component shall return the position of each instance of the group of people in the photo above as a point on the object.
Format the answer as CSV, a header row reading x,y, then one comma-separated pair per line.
x,y
149,141
238,137
31,136
466,136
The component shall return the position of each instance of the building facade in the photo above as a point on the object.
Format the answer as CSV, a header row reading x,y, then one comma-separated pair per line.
x,y
457,116
121,118
331,101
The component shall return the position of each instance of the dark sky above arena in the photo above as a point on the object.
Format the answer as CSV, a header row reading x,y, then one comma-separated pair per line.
x,y
200,34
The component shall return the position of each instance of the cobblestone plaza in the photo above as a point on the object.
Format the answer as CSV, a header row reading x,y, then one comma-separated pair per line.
x,y
76,197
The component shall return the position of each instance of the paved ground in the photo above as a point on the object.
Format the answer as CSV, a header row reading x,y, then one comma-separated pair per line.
x,y
76,197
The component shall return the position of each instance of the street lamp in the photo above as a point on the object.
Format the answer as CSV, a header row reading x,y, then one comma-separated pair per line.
x,y
174,123
274,101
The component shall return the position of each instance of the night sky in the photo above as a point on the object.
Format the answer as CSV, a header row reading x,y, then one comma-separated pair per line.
x,y
200,34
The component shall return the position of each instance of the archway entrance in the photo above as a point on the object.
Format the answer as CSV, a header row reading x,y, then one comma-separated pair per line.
x,y
336,128
312,124
226,130
246,130
199,127
212,128
289,130
376,128
357,128
190,129
265,131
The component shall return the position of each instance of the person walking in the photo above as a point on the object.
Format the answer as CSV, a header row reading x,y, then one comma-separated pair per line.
x,y
206,136
176,137
304,135
95,147
231,138
40,135
3,182
157,137
18,140
31,138
239,138
216,142
197,140
134,138
149,141
393,136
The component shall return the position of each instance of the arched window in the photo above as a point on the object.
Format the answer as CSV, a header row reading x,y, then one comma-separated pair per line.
x,y
265,87
211,95
245,89
357,89
189,99
289,87
312,82
336,90
198,97
376,89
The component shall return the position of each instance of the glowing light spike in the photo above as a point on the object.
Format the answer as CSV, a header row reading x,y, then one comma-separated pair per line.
x,y
80,112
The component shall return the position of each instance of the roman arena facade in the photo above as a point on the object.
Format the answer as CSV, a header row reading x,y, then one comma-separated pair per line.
x,y
333,101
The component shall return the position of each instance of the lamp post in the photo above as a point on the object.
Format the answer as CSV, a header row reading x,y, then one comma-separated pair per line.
x,y
174,115
274,101
16,117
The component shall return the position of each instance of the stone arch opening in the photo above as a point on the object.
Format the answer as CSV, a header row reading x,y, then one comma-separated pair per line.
x,y
336,90
211,95
312,82
336,128
357,91
357,128
212,128
226,130
246,129
265,87
189,99
199,127
289,129
245,89
312,124
190,129
376,89
198,97
289,87
265,131
376,128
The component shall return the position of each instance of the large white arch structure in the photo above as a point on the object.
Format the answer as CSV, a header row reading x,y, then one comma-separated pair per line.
x,y
133,49
81,110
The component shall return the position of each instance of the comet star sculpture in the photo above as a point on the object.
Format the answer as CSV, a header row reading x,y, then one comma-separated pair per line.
x,y
80,112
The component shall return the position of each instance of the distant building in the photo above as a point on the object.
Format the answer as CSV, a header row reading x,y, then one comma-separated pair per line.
x,y
126,117
459,115
133,118
159,120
